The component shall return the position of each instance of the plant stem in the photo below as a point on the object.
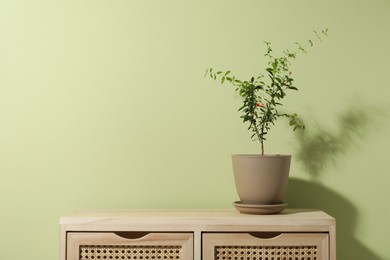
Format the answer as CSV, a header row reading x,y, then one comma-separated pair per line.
x,y
262,146
259,136
262,140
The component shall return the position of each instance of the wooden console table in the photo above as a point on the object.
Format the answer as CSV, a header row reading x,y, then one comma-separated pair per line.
x,y
197,235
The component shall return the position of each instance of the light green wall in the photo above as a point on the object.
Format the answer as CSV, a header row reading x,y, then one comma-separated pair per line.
x,y
103,104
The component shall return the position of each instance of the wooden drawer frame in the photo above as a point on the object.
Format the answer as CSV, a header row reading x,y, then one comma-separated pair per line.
x,y
144,246
263,245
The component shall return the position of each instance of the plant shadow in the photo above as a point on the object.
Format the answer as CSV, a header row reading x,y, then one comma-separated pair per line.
x,y
318,149
346,215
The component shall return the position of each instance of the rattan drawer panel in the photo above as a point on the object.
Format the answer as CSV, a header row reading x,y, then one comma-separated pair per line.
x,y
149,246
285,246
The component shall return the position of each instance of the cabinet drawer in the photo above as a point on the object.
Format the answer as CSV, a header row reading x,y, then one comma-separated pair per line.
x,y
129,245
265,246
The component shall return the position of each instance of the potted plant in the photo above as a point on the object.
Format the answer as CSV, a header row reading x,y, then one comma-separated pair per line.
x,y
261,179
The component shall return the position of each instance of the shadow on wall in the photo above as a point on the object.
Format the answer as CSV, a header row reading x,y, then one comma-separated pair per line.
x,y
348,247
319,148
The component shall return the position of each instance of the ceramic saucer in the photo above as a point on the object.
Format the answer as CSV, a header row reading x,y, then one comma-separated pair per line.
x,y
259,209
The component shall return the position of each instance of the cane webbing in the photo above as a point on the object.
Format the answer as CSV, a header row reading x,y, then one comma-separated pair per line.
x,y
133,252
266,253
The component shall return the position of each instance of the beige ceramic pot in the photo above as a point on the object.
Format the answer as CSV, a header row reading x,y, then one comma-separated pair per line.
x,y
261,179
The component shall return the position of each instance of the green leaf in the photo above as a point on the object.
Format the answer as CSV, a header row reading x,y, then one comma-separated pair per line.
x,y
206,73
241,108
270,71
